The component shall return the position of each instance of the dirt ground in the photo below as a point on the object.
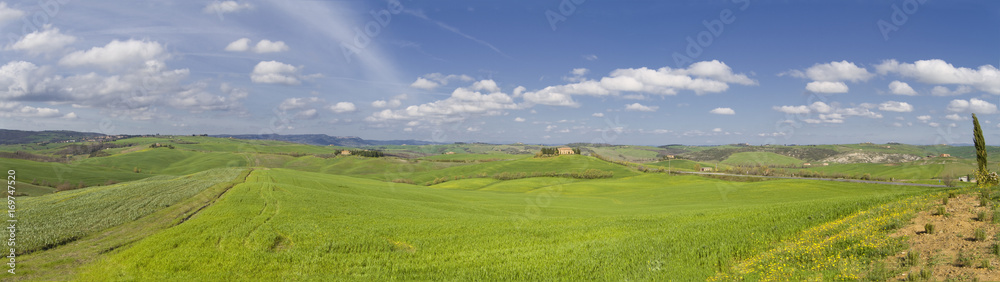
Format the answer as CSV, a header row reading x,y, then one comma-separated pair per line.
x,y
953,235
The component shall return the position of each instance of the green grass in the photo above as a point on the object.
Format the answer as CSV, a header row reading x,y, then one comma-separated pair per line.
x,y
685,165
55,219
30,171
474,157
285,224
761,158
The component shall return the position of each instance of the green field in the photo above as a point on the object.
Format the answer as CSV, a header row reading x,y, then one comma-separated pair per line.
x,y
224,209
284,224
761,159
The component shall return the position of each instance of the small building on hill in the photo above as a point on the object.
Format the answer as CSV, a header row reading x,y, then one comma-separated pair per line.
x,y
566,151
945,155
706,169
807,164
345,153
449,153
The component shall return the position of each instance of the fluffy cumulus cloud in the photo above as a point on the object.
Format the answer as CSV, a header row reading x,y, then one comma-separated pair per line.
x,y
700,78
985,78
640,108
827,87
519,119
263,46
482,98
723,111
834,71
9,14
901,88
117,55
46,41
223,7
275,72
830,77
434,80
597,115
972,106
343,107
820,112
893,106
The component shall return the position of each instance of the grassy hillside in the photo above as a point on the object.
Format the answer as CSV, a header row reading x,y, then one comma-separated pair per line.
x,y
37,172
285,224
761,158
66,216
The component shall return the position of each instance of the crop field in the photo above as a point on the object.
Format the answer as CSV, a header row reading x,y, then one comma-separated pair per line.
x,y
464,216
761,158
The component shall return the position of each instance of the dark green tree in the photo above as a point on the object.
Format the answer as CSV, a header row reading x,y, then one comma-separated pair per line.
x,y
983,177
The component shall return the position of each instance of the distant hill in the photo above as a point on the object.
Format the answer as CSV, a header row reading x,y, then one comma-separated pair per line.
x,y
8,136
324,140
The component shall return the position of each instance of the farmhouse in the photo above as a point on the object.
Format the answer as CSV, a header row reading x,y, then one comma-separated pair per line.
x,y
566,151
706,169
945,155
449,153
807,164
345,153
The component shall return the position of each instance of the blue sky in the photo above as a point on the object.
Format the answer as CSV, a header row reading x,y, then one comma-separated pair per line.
x,y
623,72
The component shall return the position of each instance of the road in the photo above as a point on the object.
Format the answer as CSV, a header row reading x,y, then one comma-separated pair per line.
x,y
822,179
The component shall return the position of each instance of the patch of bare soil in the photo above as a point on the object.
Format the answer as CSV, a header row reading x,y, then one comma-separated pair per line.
x,y
951,251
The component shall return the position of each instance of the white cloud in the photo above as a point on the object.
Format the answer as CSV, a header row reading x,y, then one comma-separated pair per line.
x,y
240,45
598,115
8,14
893,106
590,57
307,114
580,71
954,117
723,111
226,7
985,78
519,119
821,107
834,71
31,112
263,46
924,118
640,107
701,77
434,80
793,109
901,88
972,106
343,107
934,124
717,129
299,103
275,72
944,91
827,87
268,46
117,55
463,103
46,41
829,113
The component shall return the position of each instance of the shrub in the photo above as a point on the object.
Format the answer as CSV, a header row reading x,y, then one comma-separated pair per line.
x,y
964,260
912,258
65,186
941,211
995,249
996,217
951,194
981,216
403,180
979,235
944,201
929,228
